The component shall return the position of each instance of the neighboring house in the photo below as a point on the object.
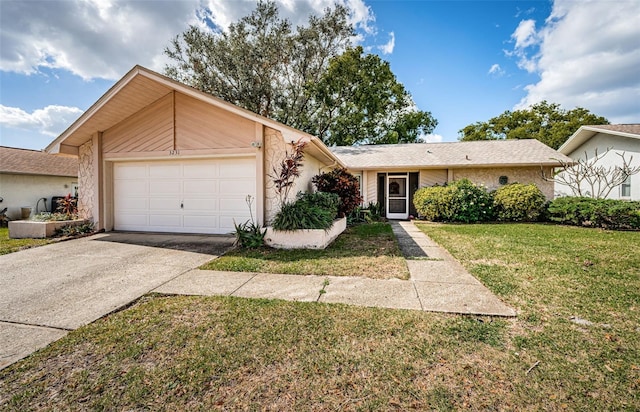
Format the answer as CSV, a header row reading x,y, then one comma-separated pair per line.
x,y
390,174
620,139
156,155
28,176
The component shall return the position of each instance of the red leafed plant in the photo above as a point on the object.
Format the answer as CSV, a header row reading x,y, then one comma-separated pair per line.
x,y
68,206
289,170
342,183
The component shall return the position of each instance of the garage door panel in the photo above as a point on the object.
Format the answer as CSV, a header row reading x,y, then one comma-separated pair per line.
x,y
200,170
165,170
148,195
201,187
130,171
236,186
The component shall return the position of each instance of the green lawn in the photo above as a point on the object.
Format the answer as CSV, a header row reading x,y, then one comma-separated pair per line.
x,y
369,250
13,245
222,353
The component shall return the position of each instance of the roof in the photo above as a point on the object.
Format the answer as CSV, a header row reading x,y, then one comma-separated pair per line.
x,y
585,133
139,88
34,162
486,153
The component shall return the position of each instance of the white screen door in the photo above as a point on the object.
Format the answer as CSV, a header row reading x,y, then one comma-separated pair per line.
x,y
397,196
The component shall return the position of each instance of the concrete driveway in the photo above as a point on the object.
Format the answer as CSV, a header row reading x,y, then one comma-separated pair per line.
x,y
47,291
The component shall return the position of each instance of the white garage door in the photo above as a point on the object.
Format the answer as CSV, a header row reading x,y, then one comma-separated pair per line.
x,y
188,196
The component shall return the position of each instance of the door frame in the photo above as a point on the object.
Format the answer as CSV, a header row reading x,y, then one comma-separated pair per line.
x,y
405,176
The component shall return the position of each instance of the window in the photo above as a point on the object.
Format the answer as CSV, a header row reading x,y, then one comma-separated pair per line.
x,y
625,188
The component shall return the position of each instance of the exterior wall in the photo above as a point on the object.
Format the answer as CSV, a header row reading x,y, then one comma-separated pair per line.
x,y
20,191
432,177
619,145
87,188
275,150
489,177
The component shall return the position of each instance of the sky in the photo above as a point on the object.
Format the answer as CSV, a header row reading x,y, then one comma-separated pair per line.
x,y
463,61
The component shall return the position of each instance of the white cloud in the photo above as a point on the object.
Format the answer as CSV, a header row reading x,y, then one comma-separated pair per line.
x,y
50,121
104,39
496,70
525,34
388,48
432,138
587,54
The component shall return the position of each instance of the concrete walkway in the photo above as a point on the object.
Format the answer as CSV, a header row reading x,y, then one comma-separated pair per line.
x,y
438,283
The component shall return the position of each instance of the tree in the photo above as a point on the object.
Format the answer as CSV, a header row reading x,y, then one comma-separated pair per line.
x,y
361,101
543,121
308,78
588,177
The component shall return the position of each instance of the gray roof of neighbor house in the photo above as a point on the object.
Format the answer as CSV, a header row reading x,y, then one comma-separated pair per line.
x,y
34,162
487,153
585,133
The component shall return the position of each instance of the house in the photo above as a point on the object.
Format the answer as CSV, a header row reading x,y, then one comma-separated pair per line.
x,y
610,142
390,174
30,178
156,155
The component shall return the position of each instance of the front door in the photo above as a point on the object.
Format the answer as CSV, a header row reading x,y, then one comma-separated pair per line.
x,y
397,196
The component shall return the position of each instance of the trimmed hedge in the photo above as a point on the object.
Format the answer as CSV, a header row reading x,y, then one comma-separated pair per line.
x,y
460,201
517,202
604,213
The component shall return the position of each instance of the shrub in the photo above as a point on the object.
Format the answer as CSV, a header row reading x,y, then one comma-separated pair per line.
x,y
519,202
589,212
461,201
249,234
309,211
342,183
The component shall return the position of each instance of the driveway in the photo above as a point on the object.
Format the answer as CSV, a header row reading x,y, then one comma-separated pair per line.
x,y
47,291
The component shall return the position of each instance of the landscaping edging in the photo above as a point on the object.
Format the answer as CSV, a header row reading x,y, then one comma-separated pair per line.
x,y
304,238
31,229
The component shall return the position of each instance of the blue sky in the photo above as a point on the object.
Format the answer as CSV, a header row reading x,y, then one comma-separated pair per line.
x,y
464,61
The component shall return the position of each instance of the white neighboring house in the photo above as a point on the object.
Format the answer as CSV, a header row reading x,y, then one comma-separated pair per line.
x,y
27,176
619,139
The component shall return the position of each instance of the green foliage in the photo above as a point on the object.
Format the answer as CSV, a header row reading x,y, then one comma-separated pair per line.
x,y
343,184
75,230
309,211
51,217
361,101
461,201
604,213
307,77
519,203
249,235
546,122
369,214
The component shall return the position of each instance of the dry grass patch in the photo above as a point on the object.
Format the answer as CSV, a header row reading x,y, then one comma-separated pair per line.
x,y
369,250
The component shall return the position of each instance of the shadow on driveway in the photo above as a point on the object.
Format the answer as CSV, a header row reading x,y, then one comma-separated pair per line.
x,y
214,245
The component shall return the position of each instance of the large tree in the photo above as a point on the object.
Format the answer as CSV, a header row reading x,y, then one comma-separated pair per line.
x,y
543,121
308,77
359,100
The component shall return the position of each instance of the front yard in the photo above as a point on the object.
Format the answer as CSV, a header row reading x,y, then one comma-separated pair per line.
x,y
366,250
574,345
13,245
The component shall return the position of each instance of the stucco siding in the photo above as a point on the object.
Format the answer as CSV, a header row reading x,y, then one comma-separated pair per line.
x,y
19,191
87,181
618,145
489,177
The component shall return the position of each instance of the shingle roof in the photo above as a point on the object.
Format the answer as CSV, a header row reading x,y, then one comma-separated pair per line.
x,y
444,155
33,162
623,128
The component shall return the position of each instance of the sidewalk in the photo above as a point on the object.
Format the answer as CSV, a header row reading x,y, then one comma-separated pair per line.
x,y
438,283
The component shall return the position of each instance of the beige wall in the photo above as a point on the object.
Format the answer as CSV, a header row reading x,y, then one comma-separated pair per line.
x,y
489,177
19,191
275,150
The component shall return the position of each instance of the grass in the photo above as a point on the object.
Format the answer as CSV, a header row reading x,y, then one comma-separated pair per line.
x,y
8,245
224,353
369,250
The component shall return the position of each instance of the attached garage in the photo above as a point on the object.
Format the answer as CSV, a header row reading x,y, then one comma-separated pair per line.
x,y
188,196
